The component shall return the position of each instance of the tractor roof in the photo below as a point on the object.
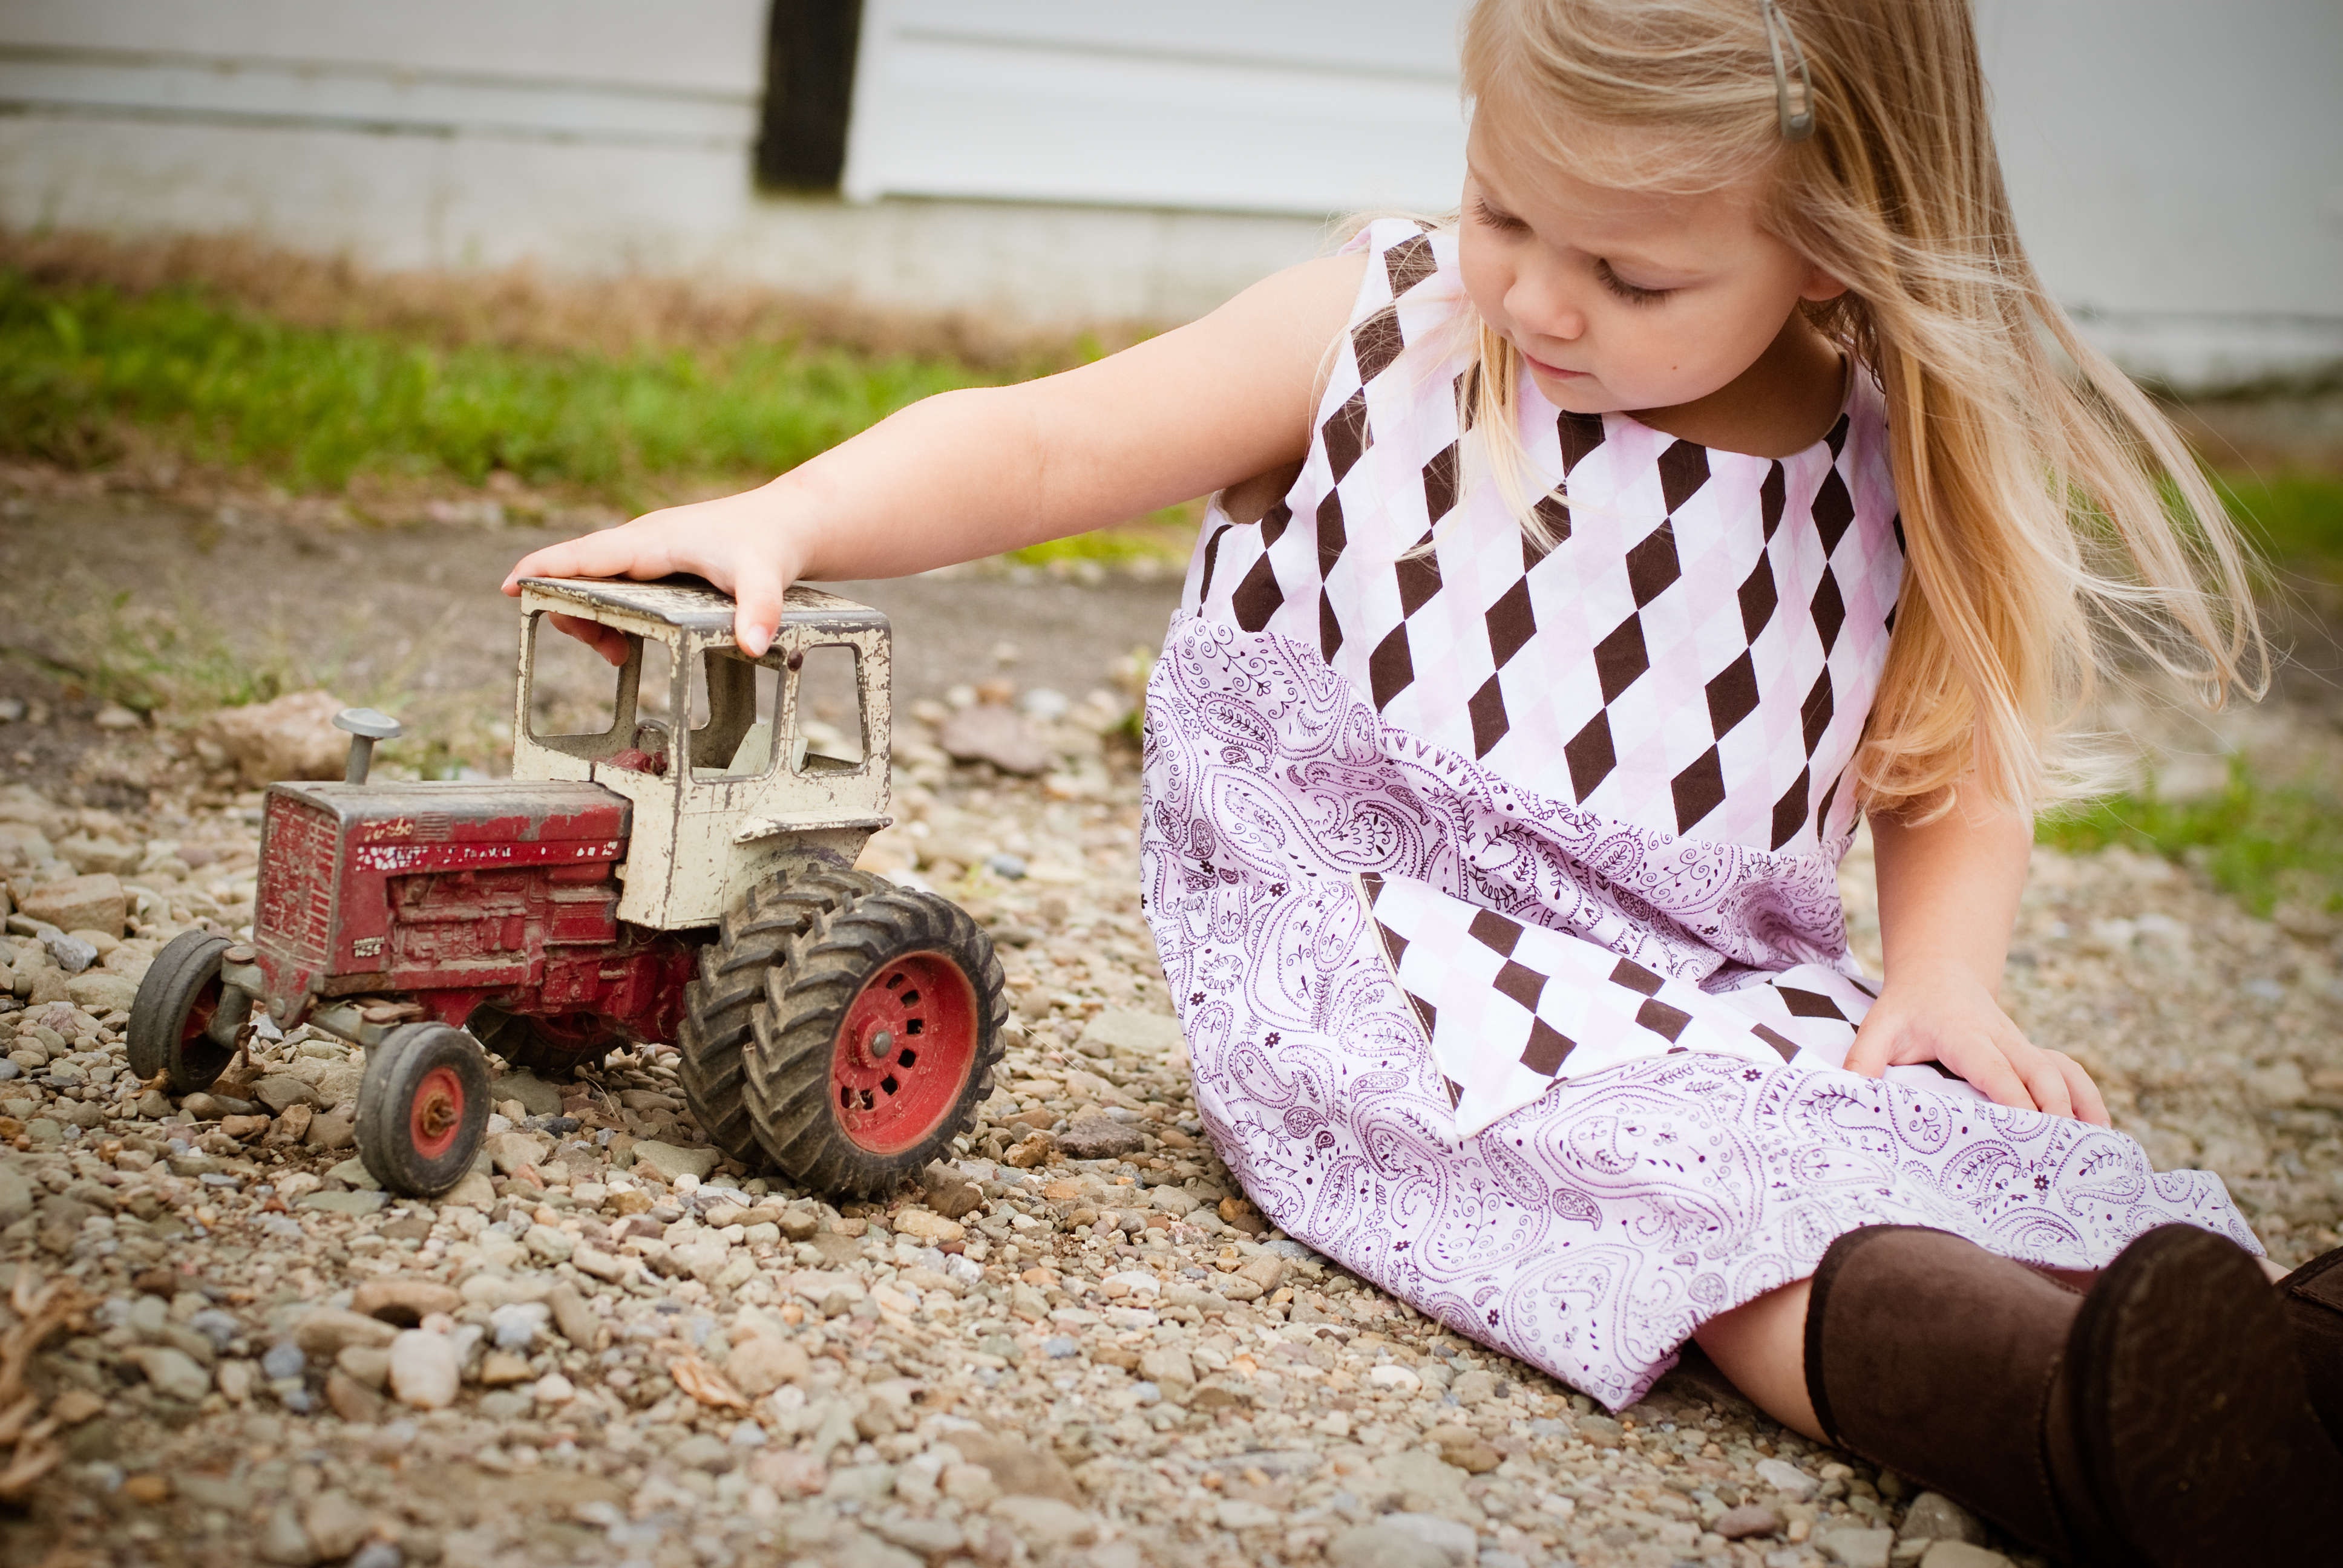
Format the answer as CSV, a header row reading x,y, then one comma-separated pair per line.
x,y
692,605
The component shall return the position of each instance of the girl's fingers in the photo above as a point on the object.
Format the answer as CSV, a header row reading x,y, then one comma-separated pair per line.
x,y
2089,1104
757,616
625,552
2043,1081
1995,1079
1875,1043
607,640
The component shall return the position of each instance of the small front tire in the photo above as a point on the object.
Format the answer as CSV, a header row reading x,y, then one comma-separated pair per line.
x,y
171,1017
423,1107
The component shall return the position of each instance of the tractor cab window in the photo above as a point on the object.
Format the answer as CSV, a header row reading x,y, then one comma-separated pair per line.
x,y
578,703
828,736
731,708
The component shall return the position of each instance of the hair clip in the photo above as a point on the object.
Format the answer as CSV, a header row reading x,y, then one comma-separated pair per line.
x,y
1795,109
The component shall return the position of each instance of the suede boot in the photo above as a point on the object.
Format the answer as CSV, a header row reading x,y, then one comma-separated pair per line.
x,y
2313,1296
2160,1421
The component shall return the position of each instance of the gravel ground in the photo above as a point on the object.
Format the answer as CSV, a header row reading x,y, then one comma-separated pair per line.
x,y
1077,1344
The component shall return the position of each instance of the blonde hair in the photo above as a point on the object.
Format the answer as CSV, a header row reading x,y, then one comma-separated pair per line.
x,y
2051,514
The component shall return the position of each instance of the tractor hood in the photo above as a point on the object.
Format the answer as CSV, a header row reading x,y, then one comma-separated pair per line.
x,y
330,852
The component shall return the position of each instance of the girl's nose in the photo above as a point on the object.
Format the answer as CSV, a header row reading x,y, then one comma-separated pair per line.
x,y
1544,307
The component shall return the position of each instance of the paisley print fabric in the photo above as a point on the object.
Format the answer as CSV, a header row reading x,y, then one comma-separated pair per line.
x,y
1496,889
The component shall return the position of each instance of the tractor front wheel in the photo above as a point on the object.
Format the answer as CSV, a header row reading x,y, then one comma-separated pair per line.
x,y
423,1106
172,1016
875,1041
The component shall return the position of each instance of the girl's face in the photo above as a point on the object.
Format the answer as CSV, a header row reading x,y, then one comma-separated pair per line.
x,y
1623,301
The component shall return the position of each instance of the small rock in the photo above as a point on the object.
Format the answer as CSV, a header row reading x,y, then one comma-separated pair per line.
x,y
951,1197
1962,1555
554,1389
1093,1136
283,1541
1858,1548
1748,1520
1121,1029
1380,1546
335,1523
536,1097
923,1225
280,1091
513,1326
1786,1479
283,1360
931,1539
1391,1374
102,991
424,1370
370,1364
502,1369
291,738
762,1363
324,1331
343,1202
1934,1516
989,733
473,1191
404,1300
573,1317
352,1400
1045,1524
172,1371
511,1151
667,1161
95,902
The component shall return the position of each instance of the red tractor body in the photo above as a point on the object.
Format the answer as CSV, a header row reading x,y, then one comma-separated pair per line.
x,y
451,897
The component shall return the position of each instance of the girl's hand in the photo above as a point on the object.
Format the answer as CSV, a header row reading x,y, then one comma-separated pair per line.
x,y
741,543
1946,1015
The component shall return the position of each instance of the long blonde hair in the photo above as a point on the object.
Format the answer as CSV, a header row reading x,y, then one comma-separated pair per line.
x,y
2052,515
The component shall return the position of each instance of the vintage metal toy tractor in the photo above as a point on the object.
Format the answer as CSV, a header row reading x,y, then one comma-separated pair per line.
x,y
695,887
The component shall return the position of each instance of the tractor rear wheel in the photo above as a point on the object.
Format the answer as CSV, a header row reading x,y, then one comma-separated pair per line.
x,y
423,1107
717,1007
875,1041
171,1017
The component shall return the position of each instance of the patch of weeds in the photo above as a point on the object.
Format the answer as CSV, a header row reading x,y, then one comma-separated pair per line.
x,y
2263,844
2294,519
1163,539
149,660
314,406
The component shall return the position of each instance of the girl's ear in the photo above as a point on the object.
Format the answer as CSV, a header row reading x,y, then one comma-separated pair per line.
x,y
1820,286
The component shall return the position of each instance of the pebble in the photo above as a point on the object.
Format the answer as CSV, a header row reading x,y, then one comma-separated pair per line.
x,y
1786,1479
1934,1516
1857,1548
1383,1546
424,1370
403,1300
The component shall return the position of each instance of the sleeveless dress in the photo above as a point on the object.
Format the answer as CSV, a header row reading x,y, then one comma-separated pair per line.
x,y
1496,888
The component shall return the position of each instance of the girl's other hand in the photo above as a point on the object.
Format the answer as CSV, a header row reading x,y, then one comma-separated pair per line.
x,y
1947,1016
739,543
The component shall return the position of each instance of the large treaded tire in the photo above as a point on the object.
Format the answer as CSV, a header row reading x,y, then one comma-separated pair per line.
x,y
535,1045
717,1007
173,1009
791,1088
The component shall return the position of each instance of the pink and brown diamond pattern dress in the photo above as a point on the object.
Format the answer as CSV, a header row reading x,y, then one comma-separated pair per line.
x,y
1496,885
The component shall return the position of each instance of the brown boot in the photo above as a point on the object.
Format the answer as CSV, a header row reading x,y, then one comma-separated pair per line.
x,y
2313,1295
2159,1421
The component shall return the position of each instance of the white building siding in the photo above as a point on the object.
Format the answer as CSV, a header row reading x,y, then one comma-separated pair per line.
x,y
2178,168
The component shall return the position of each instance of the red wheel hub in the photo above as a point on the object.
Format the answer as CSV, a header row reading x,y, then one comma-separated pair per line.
x,y
436,1115
903,1052
200,1010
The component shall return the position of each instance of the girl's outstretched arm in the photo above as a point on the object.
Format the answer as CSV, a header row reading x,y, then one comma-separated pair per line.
x,y
972,473
1948,895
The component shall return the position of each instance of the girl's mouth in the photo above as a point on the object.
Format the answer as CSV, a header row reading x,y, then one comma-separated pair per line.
x,y
1555,371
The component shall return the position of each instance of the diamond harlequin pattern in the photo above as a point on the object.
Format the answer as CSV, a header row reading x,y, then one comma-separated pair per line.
x,y
1695,653
1508,1007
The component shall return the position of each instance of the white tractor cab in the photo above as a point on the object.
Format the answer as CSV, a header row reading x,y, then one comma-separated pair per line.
x,y
732,775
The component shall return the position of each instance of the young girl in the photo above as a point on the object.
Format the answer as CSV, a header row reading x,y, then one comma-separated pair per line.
x,y
1579,571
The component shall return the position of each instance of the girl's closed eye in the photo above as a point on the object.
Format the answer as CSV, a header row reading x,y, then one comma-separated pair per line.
x,y
1503,221
1634,294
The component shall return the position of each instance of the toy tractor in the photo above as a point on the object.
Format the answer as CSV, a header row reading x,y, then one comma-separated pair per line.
x,y
626,883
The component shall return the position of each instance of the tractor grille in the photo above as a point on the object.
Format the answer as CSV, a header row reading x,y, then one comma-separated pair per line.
x,y
298,854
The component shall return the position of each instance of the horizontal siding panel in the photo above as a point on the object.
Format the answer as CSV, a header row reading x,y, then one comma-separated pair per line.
x,y
1157,108
685,46
375,99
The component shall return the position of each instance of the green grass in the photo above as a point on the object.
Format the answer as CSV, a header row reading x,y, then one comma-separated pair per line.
x,y
2260,843
2295,520
315,407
